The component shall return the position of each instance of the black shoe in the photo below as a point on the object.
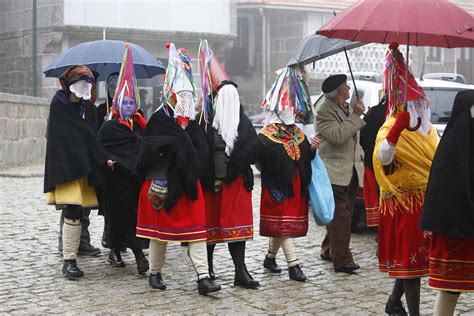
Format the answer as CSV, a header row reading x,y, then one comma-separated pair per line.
x,y
394,307
244,279
141,260
296,273
115,259
348,268
71,271
270,264
206,286
88,250
325,258
156,281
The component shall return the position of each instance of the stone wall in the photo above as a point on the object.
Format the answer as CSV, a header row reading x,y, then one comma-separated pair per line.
x,y
22,129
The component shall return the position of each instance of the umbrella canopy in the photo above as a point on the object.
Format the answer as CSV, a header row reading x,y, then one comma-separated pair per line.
x,y
315,47
437,23
105,57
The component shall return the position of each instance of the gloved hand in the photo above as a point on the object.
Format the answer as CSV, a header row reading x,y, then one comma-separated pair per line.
x,y
402,122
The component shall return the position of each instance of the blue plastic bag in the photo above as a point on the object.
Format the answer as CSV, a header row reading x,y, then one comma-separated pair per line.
x,y
320,193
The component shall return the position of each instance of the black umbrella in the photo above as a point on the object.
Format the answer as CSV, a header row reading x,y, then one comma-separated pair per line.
x,y
315,47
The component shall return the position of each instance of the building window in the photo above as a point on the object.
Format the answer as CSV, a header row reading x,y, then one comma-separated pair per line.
x,y
434,55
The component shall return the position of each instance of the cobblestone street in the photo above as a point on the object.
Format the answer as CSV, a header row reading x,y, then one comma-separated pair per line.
x,y
32,282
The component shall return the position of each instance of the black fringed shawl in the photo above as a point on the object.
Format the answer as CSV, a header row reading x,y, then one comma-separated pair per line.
x,y
277,168
238,163
72,147
186,151
449,201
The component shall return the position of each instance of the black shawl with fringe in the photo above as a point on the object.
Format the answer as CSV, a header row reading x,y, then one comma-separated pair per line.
x,y
277,168
72,147
449,201
185,149
238,163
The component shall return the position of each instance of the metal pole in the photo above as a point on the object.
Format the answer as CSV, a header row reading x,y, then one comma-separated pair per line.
x,y
34,58
264,51
352,76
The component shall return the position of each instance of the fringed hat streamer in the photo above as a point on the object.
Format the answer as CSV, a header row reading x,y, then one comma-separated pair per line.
x,y
394,81
288,93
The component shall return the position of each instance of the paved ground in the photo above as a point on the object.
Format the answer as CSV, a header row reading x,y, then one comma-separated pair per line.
x,y
31,280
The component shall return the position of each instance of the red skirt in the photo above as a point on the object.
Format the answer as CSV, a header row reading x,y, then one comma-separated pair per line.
x,y
451,263
371,198
229,213
403,246
286,219
186,221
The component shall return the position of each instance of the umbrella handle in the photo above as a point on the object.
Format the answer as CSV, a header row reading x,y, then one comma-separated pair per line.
x,y
416,127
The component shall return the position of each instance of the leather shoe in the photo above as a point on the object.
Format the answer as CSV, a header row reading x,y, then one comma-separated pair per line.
x,y
115,259
156,281
296,273
270,264
88,250
141,260
395,307
71,271
244,279
206,286
348,268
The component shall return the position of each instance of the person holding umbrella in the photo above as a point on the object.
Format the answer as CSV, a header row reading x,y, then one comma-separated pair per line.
x,y
284,155
74,157
338,125
449,208
173,159
228,182
121,137
402,161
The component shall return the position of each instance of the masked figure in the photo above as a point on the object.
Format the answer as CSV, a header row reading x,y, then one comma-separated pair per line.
x,y
172,161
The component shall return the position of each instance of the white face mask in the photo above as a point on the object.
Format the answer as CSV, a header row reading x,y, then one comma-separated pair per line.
x,y
82,89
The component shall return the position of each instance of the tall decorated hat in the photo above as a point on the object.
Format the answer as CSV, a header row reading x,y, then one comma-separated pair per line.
x,y
178,77
212,75
288,93
126,82
394,81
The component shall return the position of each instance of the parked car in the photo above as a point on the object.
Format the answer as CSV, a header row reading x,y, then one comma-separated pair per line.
x,y
446,77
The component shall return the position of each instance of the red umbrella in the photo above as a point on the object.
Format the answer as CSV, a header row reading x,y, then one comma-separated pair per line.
x,y
437,23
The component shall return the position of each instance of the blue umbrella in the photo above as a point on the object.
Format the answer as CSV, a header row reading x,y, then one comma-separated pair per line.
x,y
105,57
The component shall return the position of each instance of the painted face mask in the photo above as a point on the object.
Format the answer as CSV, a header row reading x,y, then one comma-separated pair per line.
x,y
82,89
184,109
127,108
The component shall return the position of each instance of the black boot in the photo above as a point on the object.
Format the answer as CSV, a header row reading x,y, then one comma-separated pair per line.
x,y
270,264
156,281
70,269
244,279
206,286
210,261
115,259
394,307
141,260
296,273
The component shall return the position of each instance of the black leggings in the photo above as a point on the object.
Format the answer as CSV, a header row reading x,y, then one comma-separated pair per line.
x,y
73,212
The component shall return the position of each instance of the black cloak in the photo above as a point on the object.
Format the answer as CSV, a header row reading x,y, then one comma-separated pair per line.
x,y
374,120
185,149
72,147
119,200
449,201
238,163
277,168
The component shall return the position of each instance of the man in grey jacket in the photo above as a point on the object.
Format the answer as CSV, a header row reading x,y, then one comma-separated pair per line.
x,y
337,126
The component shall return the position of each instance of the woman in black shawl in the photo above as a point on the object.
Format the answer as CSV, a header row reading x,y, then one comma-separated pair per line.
x,y
74,156
173,158
448,211
228,182
121,137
